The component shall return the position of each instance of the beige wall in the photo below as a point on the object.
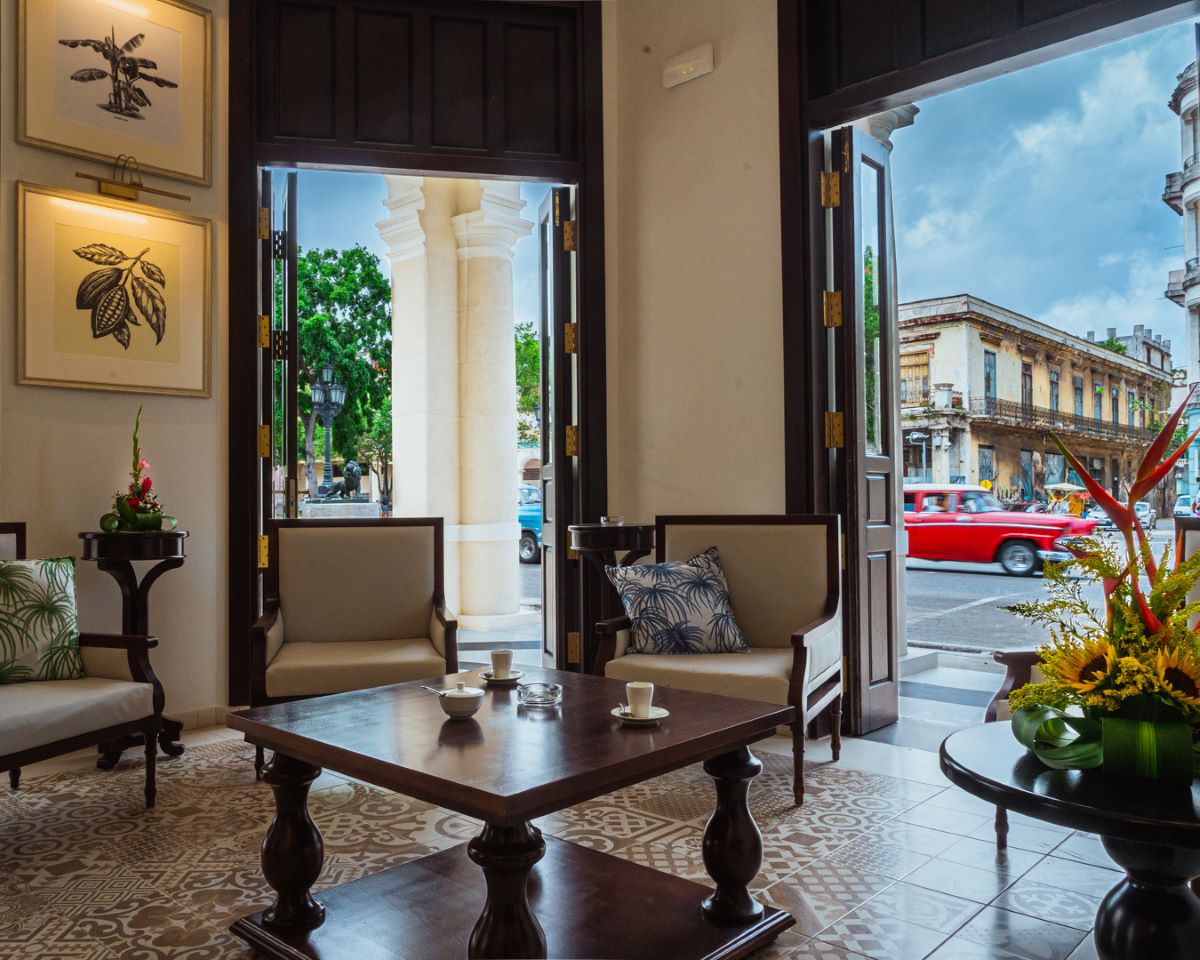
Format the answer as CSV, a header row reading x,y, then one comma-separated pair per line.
x,y
64,452
695,370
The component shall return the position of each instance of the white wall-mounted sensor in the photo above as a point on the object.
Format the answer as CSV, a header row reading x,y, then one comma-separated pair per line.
x,y
688,65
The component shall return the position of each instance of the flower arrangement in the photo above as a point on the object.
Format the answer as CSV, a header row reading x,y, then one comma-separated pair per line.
x,y
1122,686
137,508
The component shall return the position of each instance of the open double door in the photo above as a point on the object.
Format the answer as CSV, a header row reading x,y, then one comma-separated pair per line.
x,y
862,425
280,457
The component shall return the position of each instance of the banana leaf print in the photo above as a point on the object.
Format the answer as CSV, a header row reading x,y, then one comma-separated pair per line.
x,y
679,608
39,631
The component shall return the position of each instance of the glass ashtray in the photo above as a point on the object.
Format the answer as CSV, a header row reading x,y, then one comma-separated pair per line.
x,y
539,694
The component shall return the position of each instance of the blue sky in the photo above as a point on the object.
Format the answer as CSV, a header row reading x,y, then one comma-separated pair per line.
x,y
1041,190
339,209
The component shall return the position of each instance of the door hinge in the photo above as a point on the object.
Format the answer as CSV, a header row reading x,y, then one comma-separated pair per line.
x,y
573,651
569,236
835,430
572,440
264,439
279,345
264,223
264,331
832,308
278,244
831,189
264,552
571,337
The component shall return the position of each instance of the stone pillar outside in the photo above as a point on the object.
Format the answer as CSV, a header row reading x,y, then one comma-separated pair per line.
x,y
422,252
488,532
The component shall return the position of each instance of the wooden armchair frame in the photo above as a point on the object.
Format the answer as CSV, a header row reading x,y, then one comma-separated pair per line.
x,y
810,699
137,653
271,604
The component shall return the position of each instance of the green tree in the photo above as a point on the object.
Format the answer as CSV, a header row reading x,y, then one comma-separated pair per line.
x,y
870,341
529,383
375,449
1113,344
344,304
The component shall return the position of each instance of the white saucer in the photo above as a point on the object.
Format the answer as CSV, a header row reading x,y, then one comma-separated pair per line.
x,y
656,714
508,681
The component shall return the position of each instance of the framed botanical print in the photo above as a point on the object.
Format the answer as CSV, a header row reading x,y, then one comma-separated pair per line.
x,y
112,295
102,78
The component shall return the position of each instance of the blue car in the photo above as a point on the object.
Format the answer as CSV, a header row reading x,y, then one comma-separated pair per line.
x,y
529,514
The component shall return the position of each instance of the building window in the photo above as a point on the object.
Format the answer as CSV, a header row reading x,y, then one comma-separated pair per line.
x,y
1116,405
1078,384
987,462
1056,468
1097,401
1131,403
989,374
1053,389
1026,385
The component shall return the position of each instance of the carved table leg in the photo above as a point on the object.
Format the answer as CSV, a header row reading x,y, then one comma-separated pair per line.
x,y
507,927
732,844
1152,912
293,851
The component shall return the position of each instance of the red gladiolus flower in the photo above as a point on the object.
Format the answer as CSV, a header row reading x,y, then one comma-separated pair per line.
x,y
147,483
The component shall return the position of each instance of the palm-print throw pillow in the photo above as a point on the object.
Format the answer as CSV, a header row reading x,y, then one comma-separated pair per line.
x,y
678,607
39,633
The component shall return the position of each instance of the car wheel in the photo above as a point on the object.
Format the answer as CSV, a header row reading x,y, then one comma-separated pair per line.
x,y
1018,558
529,549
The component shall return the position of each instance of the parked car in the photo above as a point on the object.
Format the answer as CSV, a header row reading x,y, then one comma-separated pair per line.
x,y
1102,519
963,522
529,515
1183,506
1147,514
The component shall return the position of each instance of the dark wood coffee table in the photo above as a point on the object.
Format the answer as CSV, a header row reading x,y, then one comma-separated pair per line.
x,y
538,896
1152,831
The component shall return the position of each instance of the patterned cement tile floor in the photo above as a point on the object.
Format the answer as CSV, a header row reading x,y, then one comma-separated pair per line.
x,y
872,866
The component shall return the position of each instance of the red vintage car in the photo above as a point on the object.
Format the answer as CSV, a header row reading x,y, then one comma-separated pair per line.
x,y
958,521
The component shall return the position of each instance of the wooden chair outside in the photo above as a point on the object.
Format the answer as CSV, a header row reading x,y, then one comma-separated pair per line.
x,y
783,573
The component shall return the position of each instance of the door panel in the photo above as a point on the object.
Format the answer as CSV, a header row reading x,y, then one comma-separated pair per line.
x,y
867,372
559,474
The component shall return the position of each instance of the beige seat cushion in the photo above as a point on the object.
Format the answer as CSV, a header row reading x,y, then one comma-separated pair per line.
x,y
42,712
762,674
307,669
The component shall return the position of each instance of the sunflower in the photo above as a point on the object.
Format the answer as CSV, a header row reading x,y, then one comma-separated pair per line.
x,y
1084,668
1179,673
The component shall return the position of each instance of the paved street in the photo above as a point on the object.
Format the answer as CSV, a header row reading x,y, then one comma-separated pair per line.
x,y
957,605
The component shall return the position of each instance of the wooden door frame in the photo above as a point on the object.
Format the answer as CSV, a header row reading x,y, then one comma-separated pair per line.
x,y
805,39
247,155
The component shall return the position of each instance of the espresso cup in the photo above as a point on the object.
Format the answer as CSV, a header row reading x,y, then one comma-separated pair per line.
x,y
501,664
640,694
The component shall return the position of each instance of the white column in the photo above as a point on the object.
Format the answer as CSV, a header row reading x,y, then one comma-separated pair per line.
x,y
489,531
425,439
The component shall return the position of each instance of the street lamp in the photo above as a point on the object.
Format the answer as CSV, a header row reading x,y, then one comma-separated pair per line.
x,y
328,398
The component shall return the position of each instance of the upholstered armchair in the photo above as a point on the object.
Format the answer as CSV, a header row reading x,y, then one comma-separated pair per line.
x,y
783,577
350,604
119,696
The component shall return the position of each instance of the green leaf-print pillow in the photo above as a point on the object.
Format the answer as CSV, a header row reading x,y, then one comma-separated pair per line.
x,y
39,632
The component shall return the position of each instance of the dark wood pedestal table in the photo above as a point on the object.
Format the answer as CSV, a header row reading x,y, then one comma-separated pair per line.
x,y
115,553
510,891
600,542
1151,830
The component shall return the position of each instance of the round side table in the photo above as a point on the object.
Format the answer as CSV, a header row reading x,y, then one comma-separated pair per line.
x,y
600,543
1151,830
115,553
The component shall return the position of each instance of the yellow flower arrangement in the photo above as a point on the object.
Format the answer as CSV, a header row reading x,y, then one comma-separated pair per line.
x,y
1132,671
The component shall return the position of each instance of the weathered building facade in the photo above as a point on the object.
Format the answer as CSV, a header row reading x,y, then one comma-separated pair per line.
x,y
982,388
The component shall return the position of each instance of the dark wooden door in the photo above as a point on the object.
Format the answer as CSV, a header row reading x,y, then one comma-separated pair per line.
x,y
867,375
560,477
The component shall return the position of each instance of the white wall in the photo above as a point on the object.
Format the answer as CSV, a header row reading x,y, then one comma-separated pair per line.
x,y
694,325
64,452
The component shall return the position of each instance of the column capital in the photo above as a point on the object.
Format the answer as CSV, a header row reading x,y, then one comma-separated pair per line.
x,y
401,230
494,229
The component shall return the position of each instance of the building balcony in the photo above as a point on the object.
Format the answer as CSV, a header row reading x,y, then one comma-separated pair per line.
x,y
1174,291
1011,413
926,398
1173,192
1191,272
1191,170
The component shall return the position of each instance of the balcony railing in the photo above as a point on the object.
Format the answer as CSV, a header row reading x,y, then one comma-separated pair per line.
x,y
1191,272
1029,415
1191,168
